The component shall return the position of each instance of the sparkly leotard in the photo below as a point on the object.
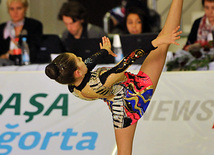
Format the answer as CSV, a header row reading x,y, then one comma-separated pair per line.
x,y
131,96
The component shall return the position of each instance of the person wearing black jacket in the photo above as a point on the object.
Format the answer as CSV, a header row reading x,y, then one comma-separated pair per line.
x,y
20,26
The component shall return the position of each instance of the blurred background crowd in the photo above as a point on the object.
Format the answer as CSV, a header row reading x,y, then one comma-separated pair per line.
x,y
52,27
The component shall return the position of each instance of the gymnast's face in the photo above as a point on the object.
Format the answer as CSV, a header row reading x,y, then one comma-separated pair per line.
x,y
74,27
80,64
134,23
209,11
16,11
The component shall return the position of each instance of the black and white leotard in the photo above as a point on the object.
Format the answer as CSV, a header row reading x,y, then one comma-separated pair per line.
x,y
132,96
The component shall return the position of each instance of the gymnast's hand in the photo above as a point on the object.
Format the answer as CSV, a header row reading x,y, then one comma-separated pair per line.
x,y
106,44
169,38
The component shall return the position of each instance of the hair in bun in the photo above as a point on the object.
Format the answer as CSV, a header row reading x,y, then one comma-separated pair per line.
x,y
62,68
52,71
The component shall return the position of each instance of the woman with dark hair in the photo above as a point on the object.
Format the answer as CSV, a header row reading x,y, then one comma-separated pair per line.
x,y
127,95
146,18
136,21
202,27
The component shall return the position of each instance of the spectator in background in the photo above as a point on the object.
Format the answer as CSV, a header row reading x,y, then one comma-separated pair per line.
x,y
117,15
74,16
18,26
201,31
150,19
135,21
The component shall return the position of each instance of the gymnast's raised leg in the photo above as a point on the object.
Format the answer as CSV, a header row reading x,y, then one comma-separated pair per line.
x,y
152,66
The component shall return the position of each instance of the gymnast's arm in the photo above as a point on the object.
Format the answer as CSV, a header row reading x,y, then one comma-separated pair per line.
x,y
92,61
105,50
118,70
116,74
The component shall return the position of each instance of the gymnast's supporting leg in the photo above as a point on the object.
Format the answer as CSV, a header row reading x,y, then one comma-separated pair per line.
x,y
152,66
124,139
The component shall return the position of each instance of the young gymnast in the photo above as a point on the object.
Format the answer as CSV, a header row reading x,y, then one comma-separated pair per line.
x,y
126,94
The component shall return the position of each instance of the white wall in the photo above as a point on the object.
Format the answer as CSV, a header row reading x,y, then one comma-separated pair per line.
x,y
3,12
46,11
192,9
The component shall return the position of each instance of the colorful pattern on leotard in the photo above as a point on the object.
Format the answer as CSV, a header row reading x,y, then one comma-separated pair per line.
x,y
131,98
130,104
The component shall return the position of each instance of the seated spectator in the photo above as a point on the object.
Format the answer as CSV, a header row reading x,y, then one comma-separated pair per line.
x,y
150,18
17,27
202,27
136,21
74,16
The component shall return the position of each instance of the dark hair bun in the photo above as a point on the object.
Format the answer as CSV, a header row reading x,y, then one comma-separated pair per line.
x,y
52,71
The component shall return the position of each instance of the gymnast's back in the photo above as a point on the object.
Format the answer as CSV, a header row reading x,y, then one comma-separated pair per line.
x,y
105,83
